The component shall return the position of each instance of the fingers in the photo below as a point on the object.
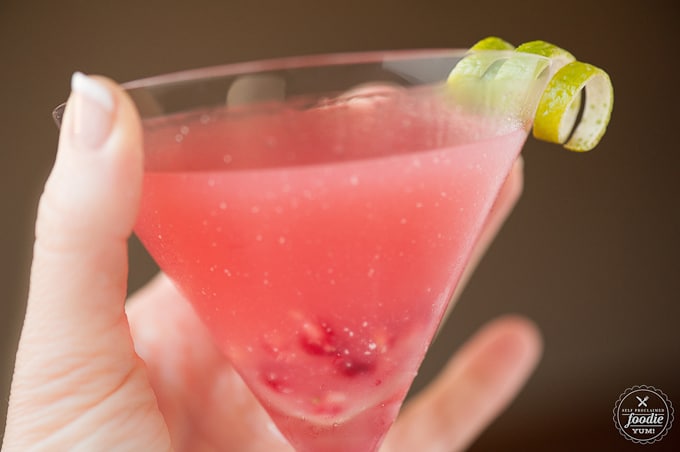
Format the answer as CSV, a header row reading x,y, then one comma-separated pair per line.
x,y
86,213
205,403
476,385
76,370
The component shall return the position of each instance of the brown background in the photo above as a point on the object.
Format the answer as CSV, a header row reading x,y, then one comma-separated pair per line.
x,y
591,252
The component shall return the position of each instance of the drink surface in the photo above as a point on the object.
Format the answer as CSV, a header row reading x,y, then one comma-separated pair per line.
x,y
321,245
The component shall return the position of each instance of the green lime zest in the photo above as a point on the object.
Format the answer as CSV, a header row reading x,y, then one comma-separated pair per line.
x,y
492,43
558,56
556,119
477,63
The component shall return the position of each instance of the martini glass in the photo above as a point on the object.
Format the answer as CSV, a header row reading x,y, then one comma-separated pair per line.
x,y
318,213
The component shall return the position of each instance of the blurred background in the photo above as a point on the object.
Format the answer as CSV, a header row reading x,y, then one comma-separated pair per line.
x,y
590,253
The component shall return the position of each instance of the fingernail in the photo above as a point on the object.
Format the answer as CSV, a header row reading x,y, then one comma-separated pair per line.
x,y
92,112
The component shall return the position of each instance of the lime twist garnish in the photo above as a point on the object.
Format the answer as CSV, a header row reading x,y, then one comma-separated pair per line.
x,y
558,109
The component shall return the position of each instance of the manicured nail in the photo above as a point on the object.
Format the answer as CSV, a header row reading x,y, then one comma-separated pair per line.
x,y
93,107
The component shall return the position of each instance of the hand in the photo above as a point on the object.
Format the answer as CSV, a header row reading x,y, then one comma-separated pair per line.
x,y
93,373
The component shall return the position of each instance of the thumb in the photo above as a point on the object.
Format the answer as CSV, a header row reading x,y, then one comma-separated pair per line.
x,y
78,382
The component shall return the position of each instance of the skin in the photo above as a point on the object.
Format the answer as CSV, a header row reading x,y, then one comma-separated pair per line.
x,y
96,373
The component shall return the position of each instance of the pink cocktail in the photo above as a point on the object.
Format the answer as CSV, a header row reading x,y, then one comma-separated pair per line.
x,y
318,214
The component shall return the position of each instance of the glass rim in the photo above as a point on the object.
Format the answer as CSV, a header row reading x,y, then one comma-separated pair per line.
x,y
306,61
318,60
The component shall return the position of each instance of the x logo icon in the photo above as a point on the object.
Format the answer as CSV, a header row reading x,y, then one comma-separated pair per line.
x,y
643,402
